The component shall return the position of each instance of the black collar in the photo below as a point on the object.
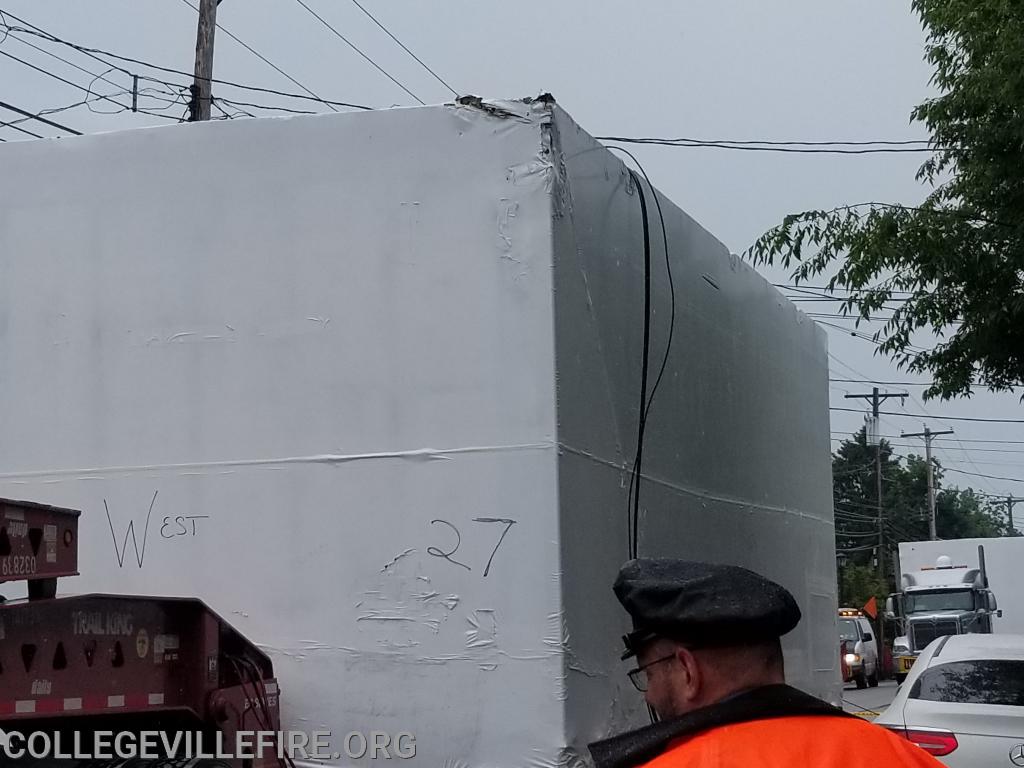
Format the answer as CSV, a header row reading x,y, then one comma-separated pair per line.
x,y
643,744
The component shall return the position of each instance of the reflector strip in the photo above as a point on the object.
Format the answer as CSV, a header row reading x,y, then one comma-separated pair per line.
x,y
55,706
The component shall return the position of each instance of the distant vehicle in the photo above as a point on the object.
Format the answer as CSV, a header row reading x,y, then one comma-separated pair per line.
x,y
963,701
944,597
858,648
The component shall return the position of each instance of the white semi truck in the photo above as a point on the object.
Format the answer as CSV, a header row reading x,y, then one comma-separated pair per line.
x,y
955,587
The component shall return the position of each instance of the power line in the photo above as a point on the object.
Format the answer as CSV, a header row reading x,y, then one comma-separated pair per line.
x,y
39,32
265,60
21,130
352,45
801,143
65,61
418,59
234,103
948,448
826,289
961,440
63,80
833,148
940,418
978,474
884,383
92,52
37,118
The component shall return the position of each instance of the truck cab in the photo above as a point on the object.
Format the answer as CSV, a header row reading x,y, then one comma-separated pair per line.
x,y
858,648
946,599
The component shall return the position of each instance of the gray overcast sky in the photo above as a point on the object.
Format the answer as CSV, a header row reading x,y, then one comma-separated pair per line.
x,y
733,69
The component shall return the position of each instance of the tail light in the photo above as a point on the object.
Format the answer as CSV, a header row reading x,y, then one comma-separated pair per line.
x,y
934,742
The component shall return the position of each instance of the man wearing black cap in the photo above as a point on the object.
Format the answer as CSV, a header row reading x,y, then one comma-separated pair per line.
x,y
707,641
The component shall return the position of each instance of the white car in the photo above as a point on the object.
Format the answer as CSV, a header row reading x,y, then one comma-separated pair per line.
x,y
963,701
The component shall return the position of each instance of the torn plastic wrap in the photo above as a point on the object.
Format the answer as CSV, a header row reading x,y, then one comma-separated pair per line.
x,y
369,389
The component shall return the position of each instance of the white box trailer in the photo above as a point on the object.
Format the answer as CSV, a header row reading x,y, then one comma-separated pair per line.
x,y
369,384
1004,557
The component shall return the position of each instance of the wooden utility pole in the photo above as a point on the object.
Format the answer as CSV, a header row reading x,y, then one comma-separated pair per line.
x,y
202,95
876,399
928,436
1010,501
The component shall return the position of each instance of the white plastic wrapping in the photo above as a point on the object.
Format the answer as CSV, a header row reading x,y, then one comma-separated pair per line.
x,y
385,367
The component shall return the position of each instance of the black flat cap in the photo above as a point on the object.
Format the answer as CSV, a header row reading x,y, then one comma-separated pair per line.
x,y
701,604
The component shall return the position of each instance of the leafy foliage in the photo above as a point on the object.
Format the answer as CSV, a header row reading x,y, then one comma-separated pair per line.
x,y
955,264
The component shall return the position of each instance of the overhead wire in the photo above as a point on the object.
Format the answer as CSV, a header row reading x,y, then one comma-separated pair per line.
x,y
65,61
37,118
266,61
937,418
19,129
96,52
646,401
978,474
353,46
404,48
823,148
61,79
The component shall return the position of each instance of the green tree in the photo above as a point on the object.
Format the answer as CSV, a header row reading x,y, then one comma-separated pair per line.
x,y
954,265
858,584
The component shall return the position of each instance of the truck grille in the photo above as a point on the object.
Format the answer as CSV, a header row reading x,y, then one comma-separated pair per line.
x,y
924,632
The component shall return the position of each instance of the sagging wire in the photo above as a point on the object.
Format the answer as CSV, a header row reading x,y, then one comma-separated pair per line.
x,y
646,401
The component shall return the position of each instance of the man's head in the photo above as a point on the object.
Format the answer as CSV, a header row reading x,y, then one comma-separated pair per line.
x,y
678,679
702,631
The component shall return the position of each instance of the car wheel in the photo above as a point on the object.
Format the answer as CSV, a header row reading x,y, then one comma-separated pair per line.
x,y
873,680
861,681
900,678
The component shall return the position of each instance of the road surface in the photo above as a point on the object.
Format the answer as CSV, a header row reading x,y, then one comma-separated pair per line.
x,y
869,701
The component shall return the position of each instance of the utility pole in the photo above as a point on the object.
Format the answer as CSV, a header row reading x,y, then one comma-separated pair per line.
x,y
202,96
928,436
1010,501
876,399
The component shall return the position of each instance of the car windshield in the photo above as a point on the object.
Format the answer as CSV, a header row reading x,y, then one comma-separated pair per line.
x,y
848,630
927,602
985,681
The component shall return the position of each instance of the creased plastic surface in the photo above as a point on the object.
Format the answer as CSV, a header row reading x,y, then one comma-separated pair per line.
x,y
384,368
329,339
736,455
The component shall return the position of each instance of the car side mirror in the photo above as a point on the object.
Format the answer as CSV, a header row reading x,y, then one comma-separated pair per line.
x,y
999,613
867,637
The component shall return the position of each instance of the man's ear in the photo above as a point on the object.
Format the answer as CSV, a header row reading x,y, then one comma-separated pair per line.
x,y
690,676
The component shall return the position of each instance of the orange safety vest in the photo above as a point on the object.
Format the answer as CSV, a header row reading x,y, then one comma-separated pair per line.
x,y
794,742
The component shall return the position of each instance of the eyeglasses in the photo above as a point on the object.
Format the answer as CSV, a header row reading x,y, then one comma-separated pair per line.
x,y
638,676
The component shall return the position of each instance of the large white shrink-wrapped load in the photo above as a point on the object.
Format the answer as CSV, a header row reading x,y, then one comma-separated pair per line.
x,y
369,385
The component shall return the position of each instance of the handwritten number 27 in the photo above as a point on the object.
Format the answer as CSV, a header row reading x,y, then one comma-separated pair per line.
x,y
458,541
